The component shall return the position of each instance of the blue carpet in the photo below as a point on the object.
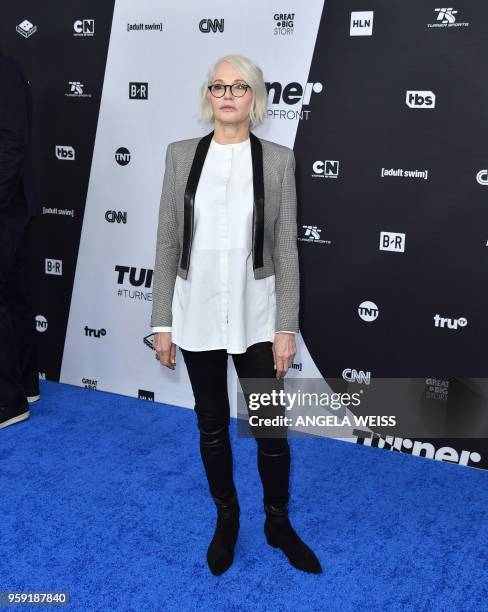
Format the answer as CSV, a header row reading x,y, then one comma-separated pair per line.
x,y
105,497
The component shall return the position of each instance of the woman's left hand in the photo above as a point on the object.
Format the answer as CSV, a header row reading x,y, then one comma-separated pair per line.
x,y
284,350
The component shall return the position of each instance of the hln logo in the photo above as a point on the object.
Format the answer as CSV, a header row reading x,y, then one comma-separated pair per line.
x,y
53,266
211,25
361,23
138,91
116,216
391,241
146,395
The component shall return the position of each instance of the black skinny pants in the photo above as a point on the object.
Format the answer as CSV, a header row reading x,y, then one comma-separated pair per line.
x,y
18,353
208,376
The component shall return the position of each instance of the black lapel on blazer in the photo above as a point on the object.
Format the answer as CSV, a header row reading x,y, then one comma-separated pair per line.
x,y
258,205
258,210
190,190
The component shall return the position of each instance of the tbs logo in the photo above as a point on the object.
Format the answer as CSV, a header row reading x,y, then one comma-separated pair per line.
x,y
138,91
65,153
420,99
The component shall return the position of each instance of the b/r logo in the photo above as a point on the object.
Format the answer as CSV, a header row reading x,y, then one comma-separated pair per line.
x,y
138,91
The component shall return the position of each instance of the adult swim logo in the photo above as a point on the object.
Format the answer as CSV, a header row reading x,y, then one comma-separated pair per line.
x,y
327,168
145,27
138,91
122,156
446,18
282,97
84,27
284,24
208,26
402,173
140,278
368,311
420,99
448,323
361,23
26,28
65,152
311,233
76,90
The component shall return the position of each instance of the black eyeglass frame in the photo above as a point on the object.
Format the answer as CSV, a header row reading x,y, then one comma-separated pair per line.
x,y
230,87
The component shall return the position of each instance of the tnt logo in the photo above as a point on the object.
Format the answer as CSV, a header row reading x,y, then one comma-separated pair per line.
x,y
138,91
41,323
420,99
53,266
390,241
122,156
116,216
326,169
211,25
65,153
368,311
84,27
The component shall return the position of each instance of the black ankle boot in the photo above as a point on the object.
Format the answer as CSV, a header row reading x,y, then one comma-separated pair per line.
x,y
280,534
220,553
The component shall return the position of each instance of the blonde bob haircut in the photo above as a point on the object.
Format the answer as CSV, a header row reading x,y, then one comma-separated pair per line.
x,y
252,75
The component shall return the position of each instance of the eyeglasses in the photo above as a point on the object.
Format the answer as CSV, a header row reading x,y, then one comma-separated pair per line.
x,y
237,89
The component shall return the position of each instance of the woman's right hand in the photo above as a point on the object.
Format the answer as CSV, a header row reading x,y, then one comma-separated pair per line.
x,y
165,349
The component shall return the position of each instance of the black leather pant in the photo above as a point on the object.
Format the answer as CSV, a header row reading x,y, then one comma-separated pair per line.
x,y
208,375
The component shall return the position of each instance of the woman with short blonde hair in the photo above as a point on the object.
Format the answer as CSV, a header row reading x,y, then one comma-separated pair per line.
x,y
226,281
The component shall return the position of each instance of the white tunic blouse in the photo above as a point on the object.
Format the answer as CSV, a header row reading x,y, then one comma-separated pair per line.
x,y
220,305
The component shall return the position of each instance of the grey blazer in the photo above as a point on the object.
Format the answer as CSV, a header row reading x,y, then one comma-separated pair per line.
x,y
274,239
